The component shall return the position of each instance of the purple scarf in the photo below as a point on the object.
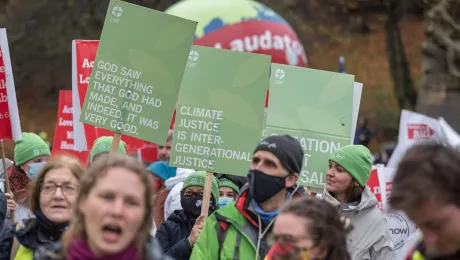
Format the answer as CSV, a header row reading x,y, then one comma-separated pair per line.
x,y
80,250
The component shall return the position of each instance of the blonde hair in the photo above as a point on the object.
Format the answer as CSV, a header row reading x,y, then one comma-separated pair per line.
x,y
98,169
58,162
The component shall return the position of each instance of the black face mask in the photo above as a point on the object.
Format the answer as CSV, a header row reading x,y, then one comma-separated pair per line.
x,y
192,205
263,186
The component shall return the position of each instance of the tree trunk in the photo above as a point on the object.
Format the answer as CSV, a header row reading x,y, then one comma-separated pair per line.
x,y
400,73
440,91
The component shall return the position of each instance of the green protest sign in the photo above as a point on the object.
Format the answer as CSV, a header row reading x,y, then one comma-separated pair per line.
x,y
138,71
220,110
315,107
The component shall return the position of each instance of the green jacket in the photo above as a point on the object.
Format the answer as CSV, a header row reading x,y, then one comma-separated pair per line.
x,y
232,232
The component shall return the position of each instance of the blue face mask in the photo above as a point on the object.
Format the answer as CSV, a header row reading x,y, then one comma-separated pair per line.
x,y
34,168
224,201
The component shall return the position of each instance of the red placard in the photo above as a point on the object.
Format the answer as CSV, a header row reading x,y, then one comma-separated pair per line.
x,y
63,142
6,132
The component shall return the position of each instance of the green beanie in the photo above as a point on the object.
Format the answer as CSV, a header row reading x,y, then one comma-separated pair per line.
x,y
30,147
104,144
356,160
198,179
228,183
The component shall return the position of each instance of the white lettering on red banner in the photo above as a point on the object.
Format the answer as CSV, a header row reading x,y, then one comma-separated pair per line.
x,y
419,131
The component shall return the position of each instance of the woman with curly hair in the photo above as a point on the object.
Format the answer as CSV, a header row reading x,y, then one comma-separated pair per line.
x,y
309,229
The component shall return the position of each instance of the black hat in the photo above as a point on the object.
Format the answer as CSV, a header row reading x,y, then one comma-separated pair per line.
x,y
286,148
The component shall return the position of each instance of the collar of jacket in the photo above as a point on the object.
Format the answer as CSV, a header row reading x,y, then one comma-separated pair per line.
x,y
245,207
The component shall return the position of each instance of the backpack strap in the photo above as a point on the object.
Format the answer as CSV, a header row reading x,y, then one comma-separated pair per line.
x,y
221,229
16,244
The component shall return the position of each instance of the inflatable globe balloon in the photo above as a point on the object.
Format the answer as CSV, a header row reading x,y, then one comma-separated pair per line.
x,y
242,25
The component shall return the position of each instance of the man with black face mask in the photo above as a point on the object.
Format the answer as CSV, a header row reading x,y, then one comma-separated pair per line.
x,y
239,230
178,234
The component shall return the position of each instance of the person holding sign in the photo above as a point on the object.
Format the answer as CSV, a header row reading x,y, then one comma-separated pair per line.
x,y
178,234
30,155
426,187
272,178
103,145
173,189
319,233
347,175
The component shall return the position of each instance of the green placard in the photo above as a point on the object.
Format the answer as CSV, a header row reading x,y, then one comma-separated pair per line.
x,y
138,71
315,107
220,111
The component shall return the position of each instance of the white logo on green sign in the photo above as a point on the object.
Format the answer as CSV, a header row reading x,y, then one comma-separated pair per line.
x,y
193,56
279,74
117,11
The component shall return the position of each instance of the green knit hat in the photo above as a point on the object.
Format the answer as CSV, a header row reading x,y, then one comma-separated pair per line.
x,y
104,144
228,183
356,160
198,179
30,147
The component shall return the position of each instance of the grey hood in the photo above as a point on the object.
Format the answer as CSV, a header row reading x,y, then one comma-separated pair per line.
x,y
368,200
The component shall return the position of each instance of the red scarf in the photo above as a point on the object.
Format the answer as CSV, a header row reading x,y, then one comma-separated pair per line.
x,y
19,183
79,250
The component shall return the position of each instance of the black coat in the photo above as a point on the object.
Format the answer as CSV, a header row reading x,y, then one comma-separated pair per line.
x,y
173,234
2,209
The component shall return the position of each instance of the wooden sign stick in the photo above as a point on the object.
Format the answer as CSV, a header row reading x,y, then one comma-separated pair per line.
x,y
115,143
206,196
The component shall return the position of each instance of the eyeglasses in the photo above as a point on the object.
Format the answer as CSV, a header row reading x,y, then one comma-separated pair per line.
x,y
67,189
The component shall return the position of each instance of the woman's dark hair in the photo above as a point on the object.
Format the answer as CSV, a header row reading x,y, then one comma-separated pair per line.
x,y
354,192
325,225
426,171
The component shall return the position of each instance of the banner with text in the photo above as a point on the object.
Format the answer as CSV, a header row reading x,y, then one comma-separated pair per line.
x,y
63,142
414,128
83,55
402,230
316,108
10,127
220,110
374,185
137,72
